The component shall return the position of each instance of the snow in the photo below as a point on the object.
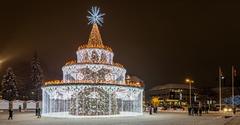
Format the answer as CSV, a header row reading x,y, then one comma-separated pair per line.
x,y
66,115
146,119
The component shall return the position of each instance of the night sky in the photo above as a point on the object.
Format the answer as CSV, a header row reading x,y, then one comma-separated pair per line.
x,y
157,41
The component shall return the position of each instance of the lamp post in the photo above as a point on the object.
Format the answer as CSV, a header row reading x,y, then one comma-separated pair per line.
x,y
220,92
189,81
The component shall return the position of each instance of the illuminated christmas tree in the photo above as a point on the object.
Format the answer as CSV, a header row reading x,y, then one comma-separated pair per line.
x,y
93,85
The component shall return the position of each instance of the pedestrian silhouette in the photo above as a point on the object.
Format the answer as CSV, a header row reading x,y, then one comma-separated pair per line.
x,y
200,111
150,110
189,110
39,113
10,111
20,108
234,110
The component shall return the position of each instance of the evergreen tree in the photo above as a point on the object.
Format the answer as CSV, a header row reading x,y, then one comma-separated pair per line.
x,y
9,89
36,77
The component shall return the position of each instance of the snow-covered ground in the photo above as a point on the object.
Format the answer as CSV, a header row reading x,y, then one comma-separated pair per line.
x,y
146,119
67,115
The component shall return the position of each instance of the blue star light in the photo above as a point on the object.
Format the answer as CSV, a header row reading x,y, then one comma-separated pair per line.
x,y
95,16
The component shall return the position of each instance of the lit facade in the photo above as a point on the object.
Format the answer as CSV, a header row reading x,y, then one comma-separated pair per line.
x,y
173,95
93,85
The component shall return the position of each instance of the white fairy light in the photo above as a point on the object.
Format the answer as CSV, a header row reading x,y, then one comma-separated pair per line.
x,y
61,97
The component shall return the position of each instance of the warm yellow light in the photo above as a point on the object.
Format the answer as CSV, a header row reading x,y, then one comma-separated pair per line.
x,y
54,82
225,109
230,109
2,60
155,101
189,80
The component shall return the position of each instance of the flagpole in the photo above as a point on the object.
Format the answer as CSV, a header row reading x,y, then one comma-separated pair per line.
x,y
220,89
233,74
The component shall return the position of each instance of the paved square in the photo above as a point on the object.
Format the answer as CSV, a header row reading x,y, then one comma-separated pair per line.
x,y
146,119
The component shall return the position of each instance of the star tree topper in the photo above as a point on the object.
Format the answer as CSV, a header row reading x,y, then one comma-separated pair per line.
x,y
95,16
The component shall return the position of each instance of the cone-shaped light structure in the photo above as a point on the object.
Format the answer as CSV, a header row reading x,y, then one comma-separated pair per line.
x,y
95,39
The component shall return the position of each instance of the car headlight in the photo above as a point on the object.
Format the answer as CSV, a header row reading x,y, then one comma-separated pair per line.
x,y
225,109
230,109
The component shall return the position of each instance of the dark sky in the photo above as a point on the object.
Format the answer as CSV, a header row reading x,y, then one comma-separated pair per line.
x,y
158,41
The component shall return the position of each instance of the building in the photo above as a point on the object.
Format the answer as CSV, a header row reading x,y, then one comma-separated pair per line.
x,y
173,95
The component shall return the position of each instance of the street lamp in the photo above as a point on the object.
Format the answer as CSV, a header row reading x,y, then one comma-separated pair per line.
x,y
220,91
189,81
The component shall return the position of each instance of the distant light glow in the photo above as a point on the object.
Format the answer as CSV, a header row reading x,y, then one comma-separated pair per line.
x,y
95,16
2,60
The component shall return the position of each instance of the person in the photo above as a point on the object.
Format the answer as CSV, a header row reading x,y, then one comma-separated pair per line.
x,y
155,109
39,113
19,108
204,109
189,110
10,111
234,110
207,108
150,110
200,111
195,110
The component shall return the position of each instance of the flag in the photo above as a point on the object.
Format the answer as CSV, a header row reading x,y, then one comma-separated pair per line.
x,y
233,86
235,72
220,73
234,75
